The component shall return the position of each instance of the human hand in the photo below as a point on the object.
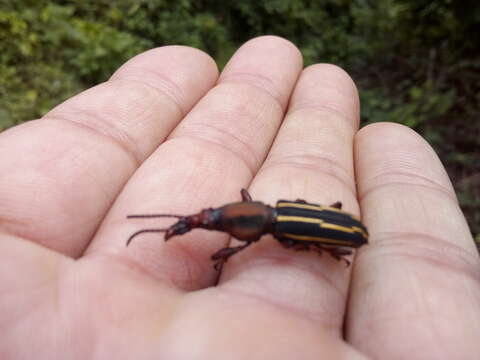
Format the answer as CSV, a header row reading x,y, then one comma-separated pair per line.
x,y
165,134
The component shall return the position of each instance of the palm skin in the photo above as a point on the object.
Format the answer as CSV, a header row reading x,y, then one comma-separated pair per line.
x,y
167,134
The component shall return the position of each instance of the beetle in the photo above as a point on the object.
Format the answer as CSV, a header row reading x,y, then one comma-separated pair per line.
x,y
298,225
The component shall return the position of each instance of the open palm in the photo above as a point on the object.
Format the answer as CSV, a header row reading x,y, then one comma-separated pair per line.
x,y
167,134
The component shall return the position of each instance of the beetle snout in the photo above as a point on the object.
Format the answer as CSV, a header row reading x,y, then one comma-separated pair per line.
x,y
179,228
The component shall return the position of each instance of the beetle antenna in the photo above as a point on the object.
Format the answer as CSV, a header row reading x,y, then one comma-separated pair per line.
x,y
144,231
154,216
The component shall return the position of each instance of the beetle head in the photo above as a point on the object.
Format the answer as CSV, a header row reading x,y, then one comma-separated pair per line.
x,y
205,219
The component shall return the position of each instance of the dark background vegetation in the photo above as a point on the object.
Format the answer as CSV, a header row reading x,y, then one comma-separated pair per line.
x,y
415,62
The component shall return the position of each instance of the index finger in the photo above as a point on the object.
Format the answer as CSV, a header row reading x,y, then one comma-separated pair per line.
x,y
63,172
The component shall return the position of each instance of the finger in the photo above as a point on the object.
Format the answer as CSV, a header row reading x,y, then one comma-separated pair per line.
x,y
416,287
64,171
233,326
311,159
211,155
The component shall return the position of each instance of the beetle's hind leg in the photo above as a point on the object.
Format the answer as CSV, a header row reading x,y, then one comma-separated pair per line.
x,y
222,255
338,253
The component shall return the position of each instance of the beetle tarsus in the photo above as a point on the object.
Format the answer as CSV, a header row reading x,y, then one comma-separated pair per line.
x,y
224,254
341,258
339,254
218,266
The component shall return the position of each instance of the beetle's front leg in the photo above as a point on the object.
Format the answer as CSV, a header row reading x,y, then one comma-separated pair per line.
x,y
245,195
224,254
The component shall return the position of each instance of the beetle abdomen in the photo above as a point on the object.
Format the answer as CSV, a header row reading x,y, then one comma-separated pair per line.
x,y
323,224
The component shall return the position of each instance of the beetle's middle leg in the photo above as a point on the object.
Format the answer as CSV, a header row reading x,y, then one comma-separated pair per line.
x,y
336,204
300,201
294,244
338,253
222,255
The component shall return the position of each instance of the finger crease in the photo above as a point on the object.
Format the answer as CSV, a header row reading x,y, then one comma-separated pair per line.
x,y
257,81
315,163
323,109
227,138
163,85
120,138
426,248
303,313
408,179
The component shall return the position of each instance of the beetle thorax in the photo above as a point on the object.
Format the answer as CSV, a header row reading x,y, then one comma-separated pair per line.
x,y
246,221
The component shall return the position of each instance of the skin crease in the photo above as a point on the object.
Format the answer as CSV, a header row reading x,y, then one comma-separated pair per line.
x,y
167,134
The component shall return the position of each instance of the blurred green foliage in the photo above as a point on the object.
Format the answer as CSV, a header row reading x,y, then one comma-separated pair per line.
x,y
415,62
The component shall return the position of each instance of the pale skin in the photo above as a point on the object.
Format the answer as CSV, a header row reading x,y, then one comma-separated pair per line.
x,y
168,134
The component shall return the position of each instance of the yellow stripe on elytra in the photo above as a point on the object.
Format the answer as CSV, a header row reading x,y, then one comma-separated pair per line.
x,y
315,207
323,224
319,239
351,230
281,218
